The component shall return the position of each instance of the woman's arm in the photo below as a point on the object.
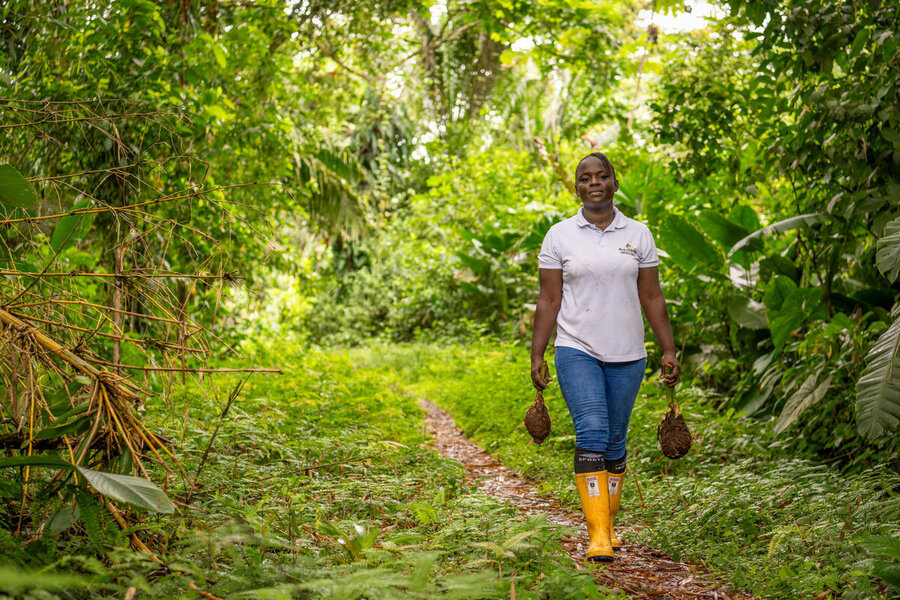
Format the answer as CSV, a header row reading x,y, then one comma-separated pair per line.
x,y
654,305
548,303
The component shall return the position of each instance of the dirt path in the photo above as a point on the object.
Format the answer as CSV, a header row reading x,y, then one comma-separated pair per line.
x,y
641,572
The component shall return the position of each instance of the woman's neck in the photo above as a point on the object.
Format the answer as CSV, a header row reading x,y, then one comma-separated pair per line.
x,y
601,218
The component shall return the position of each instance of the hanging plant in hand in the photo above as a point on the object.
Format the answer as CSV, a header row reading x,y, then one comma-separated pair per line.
x,y
537,419
673,434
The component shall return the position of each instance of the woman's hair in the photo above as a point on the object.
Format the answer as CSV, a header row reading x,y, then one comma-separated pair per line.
x,y
602,158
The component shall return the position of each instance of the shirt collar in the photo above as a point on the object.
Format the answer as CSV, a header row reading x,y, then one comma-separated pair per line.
x,y
618,221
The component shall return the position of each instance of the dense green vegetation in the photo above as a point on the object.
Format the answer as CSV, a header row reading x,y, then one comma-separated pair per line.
x,y
779,525
187,186
318,484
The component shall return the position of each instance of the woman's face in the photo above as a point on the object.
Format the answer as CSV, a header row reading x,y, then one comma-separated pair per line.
x,y
595,183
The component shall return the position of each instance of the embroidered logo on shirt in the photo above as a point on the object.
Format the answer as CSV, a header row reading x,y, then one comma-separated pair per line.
x,y
629,250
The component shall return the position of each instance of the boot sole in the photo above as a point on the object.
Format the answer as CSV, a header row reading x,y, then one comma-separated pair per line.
x,y
604,559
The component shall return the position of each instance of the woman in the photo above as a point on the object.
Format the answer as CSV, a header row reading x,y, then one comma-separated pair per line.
x,y
598,269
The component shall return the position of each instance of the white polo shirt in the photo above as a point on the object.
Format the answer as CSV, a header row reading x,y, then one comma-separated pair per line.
x,y
601,311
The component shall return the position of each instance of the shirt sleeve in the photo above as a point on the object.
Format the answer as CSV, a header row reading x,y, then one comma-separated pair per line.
x,y
549,257
647,256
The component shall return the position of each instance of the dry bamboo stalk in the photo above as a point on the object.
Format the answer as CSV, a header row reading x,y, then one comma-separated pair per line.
x,y
123,169
131,207
119,275
155,113
51,345
117,296
96,306
185,369
115,337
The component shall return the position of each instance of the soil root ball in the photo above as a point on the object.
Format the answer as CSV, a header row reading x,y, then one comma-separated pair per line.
x,y
537,419
673,433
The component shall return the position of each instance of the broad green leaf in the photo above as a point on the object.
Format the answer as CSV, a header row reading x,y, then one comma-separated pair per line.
x,y
37,460
219,55
480,266
888,255
859,41
127,488
888,571
15,190
76,426
789,307
779,289
777,265
721,229
800,221
810,393
218,112
878,390
72,227
753,399
747,312
746,217
62,519
882,545
63,411
785,321
686,245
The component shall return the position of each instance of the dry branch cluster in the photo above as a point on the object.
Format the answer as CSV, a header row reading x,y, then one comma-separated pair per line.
x,y
88,292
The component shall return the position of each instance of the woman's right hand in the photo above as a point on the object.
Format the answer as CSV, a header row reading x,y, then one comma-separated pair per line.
x,y
538,379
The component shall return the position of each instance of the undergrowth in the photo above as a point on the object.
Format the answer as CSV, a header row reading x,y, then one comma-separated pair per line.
x,y
763,519
318,484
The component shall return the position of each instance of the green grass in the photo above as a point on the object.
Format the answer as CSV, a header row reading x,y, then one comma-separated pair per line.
x,y
759,517
318,485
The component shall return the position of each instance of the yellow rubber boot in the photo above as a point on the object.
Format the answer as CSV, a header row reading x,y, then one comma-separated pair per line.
x,y
592,489
615,496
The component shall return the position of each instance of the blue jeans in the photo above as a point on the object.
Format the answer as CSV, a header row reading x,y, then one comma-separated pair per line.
x,y
600,396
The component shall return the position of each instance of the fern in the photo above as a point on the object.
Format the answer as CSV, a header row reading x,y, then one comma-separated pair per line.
x,y
90,516
425,513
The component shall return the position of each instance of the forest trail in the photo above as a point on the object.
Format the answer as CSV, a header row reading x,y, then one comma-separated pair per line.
x,y
641,572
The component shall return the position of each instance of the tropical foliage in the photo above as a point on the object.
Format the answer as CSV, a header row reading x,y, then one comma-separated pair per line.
x,y
181,181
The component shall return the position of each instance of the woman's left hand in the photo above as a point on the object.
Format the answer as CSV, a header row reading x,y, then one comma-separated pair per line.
x,y
672,377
